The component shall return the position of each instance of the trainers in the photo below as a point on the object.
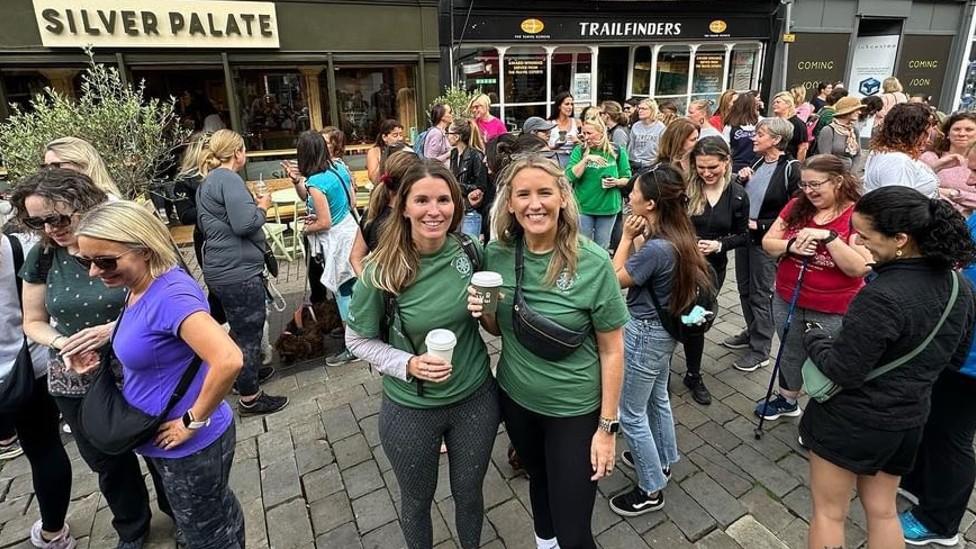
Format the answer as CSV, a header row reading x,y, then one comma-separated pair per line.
x,y
263,404
636,503
12,450
137,543
738,341
777,408
750,362
699,393
628,459
338,359
917,534
62,541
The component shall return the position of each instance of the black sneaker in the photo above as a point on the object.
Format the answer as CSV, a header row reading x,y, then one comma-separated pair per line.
x,y
738,341
628,459
263,404
750,362
698,390
636,503
264,374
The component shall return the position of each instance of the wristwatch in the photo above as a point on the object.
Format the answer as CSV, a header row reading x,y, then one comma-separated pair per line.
x,y
829,239
609,425
192,424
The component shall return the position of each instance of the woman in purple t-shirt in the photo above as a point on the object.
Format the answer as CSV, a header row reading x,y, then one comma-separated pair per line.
x,y
165,324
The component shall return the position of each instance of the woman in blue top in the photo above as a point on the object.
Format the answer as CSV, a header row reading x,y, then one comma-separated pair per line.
x,y
164,326
331,225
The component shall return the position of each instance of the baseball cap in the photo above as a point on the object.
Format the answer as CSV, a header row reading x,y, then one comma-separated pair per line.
x,y
537,124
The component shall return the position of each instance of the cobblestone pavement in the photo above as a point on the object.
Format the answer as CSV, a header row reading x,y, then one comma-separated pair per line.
x,y
314,474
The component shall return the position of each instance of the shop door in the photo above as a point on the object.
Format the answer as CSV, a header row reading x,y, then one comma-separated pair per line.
x,y
612,74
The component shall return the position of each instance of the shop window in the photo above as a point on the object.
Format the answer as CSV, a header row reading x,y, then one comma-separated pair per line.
x,y
672,72
525,76
709,68
478,70
367,96
642,72
201,94
742,68
572,72
274,107
22,85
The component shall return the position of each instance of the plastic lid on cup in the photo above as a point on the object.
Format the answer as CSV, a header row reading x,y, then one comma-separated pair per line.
x,y
441,339
486,279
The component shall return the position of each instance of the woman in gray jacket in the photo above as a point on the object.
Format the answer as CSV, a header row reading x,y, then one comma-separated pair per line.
x,y
233,258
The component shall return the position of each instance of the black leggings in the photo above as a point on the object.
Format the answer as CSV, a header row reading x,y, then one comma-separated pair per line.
x,y
318,293
695,345
411,438
555,452
39,430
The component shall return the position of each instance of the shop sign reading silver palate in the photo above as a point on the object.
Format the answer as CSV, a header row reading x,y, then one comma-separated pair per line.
x,y
156,23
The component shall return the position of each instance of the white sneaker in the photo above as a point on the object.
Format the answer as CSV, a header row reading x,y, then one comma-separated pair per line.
x,y
62,541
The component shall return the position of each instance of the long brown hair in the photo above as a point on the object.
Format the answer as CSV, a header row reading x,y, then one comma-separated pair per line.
x,y
396,260
848,192
665,185
508,230
391,173
743,111
673,140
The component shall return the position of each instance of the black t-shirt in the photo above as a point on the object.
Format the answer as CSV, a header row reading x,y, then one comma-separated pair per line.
x,y
371,231
799,136
817,103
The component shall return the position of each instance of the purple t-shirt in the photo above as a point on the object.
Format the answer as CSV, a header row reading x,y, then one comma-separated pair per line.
x,y
154,357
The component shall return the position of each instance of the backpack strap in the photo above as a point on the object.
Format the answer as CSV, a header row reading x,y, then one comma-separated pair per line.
x,y
953,295
17,249
470,250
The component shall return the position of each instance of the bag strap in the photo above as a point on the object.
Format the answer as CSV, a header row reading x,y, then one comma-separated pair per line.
x,y
953,295
18,252
469,249
519,266
185,380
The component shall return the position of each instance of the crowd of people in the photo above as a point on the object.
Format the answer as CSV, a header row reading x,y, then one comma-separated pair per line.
x,y
607,234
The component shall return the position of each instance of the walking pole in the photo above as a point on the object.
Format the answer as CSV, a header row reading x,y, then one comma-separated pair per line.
x,y
782,345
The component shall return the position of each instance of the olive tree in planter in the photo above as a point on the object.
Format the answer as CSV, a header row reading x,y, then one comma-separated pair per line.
x,y
457,98
135,136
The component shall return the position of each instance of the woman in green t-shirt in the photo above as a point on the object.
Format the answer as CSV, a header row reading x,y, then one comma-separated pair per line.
x,y
420,272
561,415
597,169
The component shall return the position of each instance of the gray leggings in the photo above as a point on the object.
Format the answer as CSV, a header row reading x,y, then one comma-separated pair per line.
x,y
411,438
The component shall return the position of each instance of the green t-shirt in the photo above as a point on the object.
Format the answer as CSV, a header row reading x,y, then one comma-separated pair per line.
x,y
436,299
590,300
593,199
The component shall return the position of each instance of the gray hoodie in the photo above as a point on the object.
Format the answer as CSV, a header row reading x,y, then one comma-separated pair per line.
x,y
231,223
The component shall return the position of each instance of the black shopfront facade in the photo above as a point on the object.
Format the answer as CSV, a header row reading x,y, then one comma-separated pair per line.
x,y
522,55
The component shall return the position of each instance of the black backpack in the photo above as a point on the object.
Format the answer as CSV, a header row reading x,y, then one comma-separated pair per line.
x,y
706,298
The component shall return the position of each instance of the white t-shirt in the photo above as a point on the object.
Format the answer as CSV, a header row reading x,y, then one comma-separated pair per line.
x,y
11,317
896,168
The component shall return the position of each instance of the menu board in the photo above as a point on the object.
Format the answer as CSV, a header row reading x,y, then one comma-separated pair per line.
x,y
525,77
708,72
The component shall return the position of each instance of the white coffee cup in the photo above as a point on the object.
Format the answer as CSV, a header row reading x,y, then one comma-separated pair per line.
x,y
487,283
441,343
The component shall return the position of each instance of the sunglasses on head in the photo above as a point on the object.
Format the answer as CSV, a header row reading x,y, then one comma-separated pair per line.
x,y
104,263
57,221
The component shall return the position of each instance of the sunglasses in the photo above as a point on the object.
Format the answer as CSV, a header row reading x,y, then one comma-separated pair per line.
x,y
105,263
48,165
57,221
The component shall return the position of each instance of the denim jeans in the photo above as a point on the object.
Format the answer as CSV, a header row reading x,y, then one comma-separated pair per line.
x,y
597,228
471,224
645,409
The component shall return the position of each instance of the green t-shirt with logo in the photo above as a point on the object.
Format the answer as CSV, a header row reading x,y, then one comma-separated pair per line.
x,y
436,299
590,300
593,199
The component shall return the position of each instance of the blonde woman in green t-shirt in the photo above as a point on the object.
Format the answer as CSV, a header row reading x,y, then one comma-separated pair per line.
x,y
421,269
561,415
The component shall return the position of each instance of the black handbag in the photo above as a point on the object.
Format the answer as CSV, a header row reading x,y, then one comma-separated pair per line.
x,y
546,338
17,388
110,423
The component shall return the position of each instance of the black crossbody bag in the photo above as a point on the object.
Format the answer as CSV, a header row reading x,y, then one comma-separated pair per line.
x,y
18,387
546,338
111,424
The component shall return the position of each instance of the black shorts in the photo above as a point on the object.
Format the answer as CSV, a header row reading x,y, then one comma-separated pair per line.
x,y
861,450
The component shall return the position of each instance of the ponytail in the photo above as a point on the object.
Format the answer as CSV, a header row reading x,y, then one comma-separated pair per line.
x,y
218,149
947,240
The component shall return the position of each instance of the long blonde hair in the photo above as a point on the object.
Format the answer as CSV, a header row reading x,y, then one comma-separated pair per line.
x,y
190,165
604,146
220,148
507,228
134,226
799,94
396,260
83,154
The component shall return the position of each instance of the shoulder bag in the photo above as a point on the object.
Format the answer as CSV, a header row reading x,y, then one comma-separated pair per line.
x,y
822,389
110,423
17,388
546,338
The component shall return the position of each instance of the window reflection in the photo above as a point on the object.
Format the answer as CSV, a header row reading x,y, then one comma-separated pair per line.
x,y
274,108
741,69
367,96
525,76
672,72
642,71
478,70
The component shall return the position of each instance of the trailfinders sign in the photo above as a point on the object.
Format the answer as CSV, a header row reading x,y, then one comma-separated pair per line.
x,y
156,24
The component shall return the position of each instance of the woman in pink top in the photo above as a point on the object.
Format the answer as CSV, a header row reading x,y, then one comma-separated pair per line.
x,y
490,126
951,161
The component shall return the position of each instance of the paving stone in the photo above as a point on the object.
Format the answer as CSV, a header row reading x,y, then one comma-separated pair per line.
x,y
339,423
296,412
666,536
308,431
620,536
720,505
351,451
255,524
366,407
795,534
689,415
330,512
289,526
14,508
717,539
717,411
371,430
345,536
768,446
796,466
275,446
447,510
340,397
385,537
749,533
799,503
313,455
381,460
279,482
245,479
687,439
683,469
770,475
81,513
769,512
321,483
513,525
373,510
729,476
603,517
362,479
494,488
718,436
693,521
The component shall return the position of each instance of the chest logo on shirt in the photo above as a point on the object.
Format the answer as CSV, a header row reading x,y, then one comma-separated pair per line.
x,y
463,265
566,282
